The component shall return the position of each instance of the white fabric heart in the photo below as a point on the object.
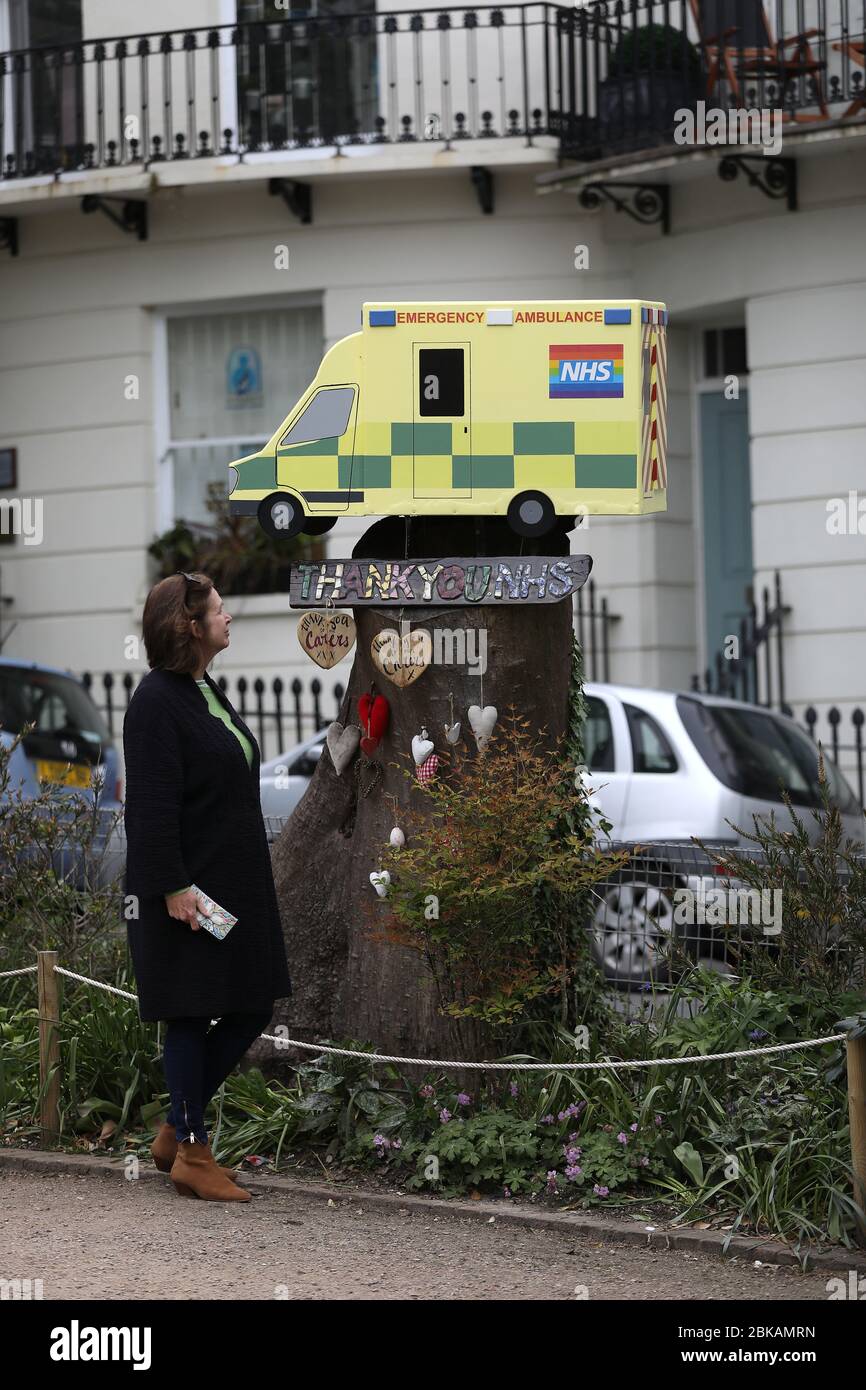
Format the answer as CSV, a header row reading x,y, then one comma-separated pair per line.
x,y
481,722
452,732
381,881
422,747
342,744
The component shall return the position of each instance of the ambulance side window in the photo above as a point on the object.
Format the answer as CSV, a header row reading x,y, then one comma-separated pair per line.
x,y
440,381
326,416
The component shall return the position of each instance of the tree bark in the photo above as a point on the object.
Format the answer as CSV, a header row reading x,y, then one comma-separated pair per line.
x,y
347,985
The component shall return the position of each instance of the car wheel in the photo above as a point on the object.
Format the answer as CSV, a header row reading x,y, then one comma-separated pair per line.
x,y
281,516
318,525
531,514
631,927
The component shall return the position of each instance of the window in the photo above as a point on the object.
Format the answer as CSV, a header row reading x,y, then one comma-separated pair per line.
x,y
598,736
651,751
325,417
232,377
759,755
440,381
725,352
54,703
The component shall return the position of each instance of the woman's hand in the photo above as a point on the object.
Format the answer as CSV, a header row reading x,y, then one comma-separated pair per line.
x,y
183,906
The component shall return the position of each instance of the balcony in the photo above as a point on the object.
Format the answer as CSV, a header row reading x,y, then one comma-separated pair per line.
x,y
598,79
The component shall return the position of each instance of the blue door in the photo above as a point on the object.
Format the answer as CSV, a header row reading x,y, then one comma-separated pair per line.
x,y
727,514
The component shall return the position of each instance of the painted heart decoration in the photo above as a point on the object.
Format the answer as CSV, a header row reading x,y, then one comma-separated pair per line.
x,y
342,744
381,881
374,714
402,658
452,732
482,722
422,747
326,637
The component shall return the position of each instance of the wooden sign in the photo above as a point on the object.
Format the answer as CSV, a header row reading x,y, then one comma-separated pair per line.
x,y
526,579
327,637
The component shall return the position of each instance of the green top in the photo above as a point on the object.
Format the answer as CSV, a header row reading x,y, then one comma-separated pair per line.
x,y
220,712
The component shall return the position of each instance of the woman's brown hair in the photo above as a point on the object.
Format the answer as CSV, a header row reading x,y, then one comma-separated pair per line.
x,y
169,606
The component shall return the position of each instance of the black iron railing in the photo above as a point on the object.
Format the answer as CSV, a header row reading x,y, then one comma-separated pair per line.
x,y
296,83
592,624
279,715
602,77
756,672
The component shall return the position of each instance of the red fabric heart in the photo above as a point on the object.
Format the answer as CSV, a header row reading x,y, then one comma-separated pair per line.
x,y
374,712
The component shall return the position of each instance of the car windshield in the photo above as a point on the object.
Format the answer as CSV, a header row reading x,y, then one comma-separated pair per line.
x,y
760,755
54,703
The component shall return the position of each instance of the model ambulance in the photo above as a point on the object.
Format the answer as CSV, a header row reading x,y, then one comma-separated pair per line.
x,y
528,409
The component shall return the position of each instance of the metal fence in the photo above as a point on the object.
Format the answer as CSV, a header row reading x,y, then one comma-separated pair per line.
x,y
602,77
278,715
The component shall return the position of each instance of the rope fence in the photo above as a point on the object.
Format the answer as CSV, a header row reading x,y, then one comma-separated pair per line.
x,y
47,971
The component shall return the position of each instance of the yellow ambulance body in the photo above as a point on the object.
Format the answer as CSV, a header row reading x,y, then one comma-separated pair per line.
x,y
529,409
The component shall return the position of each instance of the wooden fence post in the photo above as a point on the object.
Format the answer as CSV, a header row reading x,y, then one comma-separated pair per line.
x,y
49,1046
856,1048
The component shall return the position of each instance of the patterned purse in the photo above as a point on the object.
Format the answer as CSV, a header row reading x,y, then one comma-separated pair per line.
x,y
220,922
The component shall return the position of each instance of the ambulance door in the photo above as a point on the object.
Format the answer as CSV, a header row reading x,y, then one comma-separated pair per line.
x,y
441,425
314,456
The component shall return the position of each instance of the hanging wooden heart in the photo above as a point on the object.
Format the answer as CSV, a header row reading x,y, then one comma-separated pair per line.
x,y
374,712
326,637
402,657
481,722
342,744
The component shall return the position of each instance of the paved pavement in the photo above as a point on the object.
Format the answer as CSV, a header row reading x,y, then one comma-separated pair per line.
x,y
101,1237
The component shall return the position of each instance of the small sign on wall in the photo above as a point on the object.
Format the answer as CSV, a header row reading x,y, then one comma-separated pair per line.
x,y
244,378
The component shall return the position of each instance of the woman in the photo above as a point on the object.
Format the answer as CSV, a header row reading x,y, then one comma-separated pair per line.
x,y
193,817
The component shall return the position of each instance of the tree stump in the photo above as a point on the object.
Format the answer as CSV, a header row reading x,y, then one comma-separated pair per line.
x,y
347,985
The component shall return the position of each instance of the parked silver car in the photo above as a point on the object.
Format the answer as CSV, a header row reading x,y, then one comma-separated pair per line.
x,y
661,766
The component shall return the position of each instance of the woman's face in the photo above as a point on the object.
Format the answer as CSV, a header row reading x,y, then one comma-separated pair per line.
x,y
214,631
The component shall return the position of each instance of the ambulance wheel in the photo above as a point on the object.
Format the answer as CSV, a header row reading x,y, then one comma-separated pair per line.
x,y
531,514
318,525
281,516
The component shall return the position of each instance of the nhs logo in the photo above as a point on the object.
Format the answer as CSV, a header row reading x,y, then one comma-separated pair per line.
x,y
591,371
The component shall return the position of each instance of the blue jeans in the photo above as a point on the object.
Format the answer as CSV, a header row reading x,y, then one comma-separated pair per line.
x,y
197,1059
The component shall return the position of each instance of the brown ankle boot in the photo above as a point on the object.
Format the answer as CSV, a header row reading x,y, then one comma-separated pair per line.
x,y
164,1151
195,1173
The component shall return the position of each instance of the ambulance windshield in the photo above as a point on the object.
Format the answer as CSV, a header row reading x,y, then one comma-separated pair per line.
x,y
326,416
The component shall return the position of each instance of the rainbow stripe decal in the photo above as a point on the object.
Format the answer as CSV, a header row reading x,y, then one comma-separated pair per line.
x,y
591,371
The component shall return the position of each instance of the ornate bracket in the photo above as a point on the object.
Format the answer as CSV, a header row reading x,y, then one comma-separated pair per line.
x,y
132,217
298,197
482,180
776,178
647,203
9,235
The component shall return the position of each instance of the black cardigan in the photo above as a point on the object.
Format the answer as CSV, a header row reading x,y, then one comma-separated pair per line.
x,y
193,815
